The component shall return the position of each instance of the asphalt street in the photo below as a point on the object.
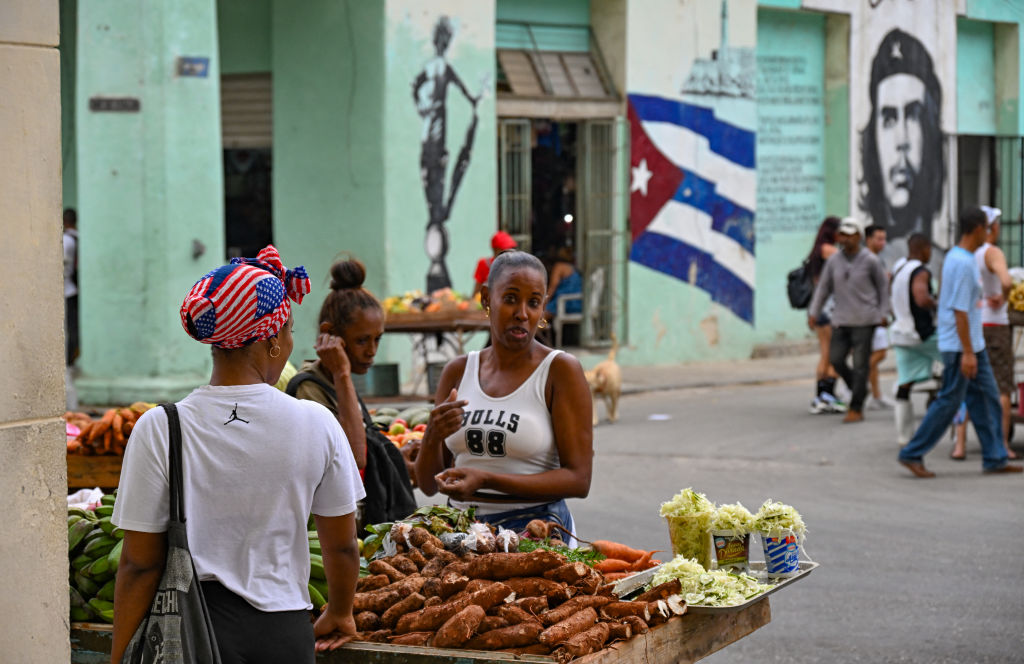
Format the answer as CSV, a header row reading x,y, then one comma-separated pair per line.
x,y
911,570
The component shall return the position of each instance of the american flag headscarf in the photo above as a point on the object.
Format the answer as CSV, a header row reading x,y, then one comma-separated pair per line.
x,y
244,301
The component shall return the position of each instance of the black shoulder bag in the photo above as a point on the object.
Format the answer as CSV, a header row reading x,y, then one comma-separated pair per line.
x,y
800,286
177,628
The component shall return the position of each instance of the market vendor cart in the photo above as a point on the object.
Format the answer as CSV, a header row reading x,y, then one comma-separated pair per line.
x,y
441,332
684,639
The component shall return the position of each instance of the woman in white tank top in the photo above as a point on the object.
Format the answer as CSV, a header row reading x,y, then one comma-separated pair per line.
x,y
511,433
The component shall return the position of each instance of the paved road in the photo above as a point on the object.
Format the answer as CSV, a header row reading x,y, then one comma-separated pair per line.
x,y
925,571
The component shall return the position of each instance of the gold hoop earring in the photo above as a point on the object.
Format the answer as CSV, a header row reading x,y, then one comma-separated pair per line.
x,y
275,351
487,311
543,324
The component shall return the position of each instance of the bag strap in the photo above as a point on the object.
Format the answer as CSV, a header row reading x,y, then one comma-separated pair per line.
x,y
174,459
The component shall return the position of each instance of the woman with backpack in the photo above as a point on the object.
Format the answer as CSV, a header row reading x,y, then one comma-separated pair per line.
x,y
825,400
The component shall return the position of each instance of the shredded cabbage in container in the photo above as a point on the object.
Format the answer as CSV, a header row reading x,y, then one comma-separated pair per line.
x,y
775,518
733,516
687,502
703,588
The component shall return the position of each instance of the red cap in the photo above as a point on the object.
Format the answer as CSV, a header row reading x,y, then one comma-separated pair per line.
x,y
501,241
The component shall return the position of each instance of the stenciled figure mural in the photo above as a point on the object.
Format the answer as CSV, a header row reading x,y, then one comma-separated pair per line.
x,y
903,165
430,92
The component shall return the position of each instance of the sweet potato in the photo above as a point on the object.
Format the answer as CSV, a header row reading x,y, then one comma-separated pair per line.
x,y
413,602
637,624
373,582
377,601
587,641
367,621
533,605
411,638
568,573
571,606
459,628
536,586
660,592
402,563
564,629
500,566
381,567
513,636
493,622
617,610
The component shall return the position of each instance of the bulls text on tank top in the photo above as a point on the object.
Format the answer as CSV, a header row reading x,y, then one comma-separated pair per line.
x,y
510,434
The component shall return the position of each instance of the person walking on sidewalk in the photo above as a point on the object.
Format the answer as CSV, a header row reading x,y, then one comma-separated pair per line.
x,y
824,389
856,279
966,368
913,329
995,321
874,240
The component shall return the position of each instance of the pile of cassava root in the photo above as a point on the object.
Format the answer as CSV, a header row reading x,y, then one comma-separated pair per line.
x,y
536,603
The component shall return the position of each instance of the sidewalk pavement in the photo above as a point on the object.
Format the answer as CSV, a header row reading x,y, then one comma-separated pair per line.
x,y
636,380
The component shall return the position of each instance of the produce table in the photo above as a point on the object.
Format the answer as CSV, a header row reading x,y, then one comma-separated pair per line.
x,y
88,472
683,639
450,326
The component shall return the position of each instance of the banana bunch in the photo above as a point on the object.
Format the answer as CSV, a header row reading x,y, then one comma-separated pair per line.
x,y
94,551
317,577
1017,296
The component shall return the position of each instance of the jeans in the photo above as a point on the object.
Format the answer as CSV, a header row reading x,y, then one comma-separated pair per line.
x,y
858,339
982,398
516,520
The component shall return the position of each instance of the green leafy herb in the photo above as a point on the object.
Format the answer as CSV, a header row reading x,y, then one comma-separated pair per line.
x,y
587,556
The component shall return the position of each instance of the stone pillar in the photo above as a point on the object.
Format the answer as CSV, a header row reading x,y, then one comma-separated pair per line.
x,y
150,193
33,474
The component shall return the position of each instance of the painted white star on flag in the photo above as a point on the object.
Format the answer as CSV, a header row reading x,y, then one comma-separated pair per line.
x,y
641,176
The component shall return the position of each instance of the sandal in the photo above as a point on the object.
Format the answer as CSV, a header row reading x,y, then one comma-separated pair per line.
x,y
956,457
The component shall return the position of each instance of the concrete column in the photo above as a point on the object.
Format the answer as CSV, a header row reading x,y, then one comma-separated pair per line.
x,y
150,193
33,474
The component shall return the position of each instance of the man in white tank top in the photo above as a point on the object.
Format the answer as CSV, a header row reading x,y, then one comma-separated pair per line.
x,y
995,286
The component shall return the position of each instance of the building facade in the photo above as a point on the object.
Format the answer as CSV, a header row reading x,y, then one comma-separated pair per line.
x,y
685,151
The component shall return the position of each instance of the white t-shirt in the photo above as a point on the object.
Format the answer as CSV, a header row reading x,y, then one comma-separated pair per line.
x,y
256,463
70,245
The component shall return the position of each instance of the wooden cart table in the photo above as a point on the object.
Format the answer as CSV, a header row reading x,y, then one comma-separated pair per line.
x,y
681,640
449,327
89,472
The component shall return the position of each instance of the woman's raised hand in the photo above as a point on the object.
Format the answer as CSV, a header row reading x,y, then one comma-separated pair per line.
x,y
446,417
460,483
331,351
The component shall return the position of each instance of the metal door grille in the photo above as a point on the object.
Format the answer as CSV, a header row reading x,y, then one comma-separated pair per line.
x,y
514,184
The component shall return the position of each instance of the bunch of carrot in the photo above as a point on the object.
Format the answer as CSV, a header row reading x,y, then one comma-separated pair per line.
x,y
107,435
621,560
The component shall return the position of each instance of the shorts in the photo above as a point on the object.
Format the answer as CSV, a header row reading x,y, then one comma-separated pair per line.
x,y
999,344
915,363
881,339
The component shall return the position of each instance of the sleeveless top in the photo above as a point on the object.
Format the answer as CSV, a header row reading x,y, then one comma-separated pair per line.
x,y
990,286
510,434
912,324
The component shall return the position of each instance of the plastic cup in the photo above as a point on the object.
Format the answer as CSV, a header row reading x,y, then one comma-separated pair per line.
x,y
689,537
732,550
781,554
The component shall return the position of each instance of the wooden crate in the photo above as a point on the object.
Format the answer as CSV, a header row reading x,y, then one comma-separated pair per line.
x,y
89,472
681,640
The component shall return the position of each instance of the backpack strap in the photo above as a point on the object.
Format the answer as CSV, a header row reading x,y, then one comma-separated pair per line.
x,y
302,377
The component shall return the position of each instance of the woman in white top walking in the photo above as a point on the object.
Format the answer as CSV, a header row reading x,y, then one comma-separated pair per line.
x,y
511,433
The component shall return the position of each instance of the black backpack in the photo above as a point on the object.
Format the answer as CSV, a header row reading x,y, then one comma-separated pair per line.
x,y
389,495
800,286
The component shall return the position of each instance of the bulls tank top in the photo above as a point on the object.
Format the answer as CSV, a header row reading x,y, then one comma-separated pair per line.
x,y
510,434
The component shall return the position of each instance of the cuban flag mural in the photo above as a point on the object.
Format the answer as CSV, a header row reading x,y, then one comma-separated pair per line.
x,y
693,182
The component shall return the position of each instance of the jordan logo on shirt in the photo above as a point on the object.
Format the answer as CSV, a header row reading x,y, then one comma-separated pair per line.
x,y
234,417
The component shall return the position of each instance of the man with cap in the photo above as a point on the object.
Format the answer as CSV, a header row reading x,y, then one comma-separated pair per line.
x,y
966,369
856,279
995,322
500,241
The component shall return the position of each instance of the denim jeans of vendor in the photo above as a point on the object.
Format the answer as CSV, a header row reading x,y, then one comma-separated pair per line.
x,y
516,520
983,406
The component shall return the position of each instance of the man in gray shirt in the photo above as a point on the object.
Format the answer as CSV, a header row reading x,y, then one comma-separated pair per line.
x,y
856,280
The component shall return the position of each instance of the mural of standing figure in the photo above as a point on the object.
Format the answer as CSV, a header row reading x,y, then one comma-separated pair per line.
x,y
430,91
902,158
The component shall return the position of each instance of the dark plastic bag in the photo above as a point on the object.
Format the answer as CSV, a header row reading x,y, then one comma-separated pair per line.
x,y
177,628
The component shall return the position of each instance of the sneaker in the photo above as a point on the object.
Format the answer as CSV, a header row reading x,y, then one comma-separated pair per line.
x,y
819,406
834,404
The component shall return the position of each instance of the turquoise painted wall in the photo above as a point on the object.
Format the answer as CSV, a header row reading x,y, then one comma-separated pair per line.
x,y
150,185
1008,12
244,30
68,44
837,114
574,13
790,160
329,170
408,47
975,77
